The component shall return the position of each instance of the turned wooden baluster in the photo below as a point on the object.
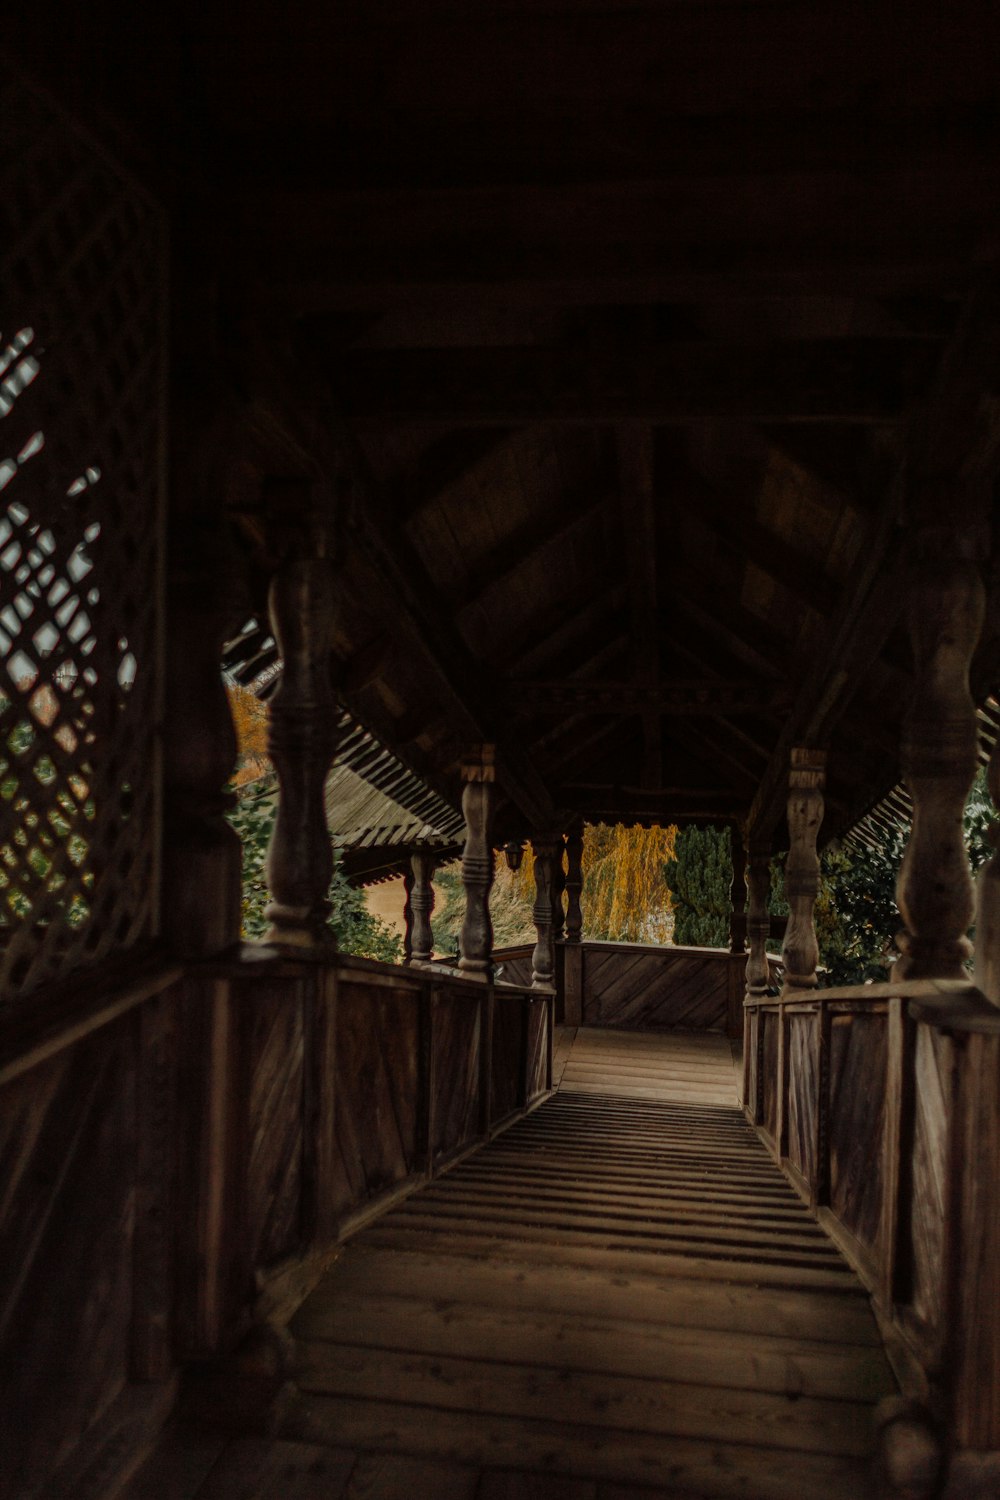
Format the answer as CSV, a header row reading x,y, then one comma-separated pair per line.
x,y
574,885
800,952
543,959
558,886
476,937
422,902
934,892
201,855
408,914
758,884
302,740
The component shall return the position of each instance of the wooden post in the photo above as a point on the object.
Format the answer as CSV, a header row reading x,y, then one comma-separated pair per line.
x,y
476,937
573,949
934,892
546,852
758,882
574,885
738,893
558,886
200,903
408,914
422,901
800,952
302,740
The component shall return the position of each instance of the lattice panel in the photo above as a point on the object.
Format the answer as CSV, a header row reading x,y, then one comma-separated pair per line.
x,y
82,264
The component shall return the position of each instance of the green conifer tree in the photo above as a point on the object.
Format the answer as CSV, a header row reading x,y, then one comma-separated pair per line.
x,y
699,878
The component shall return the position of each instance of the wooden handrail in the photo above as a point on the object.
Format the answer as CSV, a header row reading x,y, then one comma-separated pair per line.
x,y
948,1004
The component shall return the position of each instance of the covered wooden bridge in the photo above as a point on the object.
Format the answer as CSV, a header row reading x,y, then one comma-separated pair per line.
x,y
597,407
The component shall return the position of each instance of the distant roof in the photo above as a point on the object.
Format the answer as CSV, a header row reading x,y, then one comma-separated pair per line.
x,y
894,811
378,810
375,833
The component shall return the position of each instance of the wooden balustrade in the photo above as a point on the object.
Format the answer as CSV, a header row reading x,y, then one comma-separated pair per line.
x,y
881,1103
217,1129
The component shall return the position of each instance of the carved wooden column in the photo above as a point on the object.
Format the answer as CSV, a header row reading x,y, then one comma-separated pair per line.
x,y
408,913
758,884
572,955
475,943
546,852
800,953
302,740
934,892
574,885
422,901
758,974
201,854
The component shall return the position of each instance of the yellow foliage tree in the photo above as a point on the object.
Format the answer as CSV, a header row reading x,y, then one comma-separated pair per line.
x,y
250,722
625,897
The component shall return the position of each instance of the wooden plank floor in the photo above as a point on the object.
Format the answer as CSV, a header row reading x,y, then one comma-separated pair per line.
x,y
619,1297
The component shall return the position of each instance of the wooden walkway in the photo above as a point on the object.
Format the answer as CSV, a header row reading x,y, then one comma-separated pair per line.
x,y
619,1297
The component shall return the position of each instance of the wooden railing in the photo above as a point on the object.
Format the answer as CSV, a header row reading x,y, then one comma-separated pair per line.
x,y
645,986
882,1105
184,1151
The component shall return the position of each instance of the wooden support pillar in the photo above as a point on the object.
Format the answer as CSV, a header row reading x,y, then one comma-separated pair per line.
x,y
476,937
201,854
800,952
738,893
572,1007
574,885
422,901
558,886
934,891
302,740
408,913
543,960
758,884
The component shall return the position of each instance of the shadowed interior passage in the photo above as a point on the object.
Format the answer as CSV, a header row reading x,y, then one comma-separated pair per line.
x,y
620,1295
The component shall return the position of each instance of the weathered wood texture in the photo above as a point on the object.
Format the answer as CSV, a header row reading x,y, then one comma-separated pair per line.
x,y
803,1093
271,1022
538,1052
653,989
457,1104
930,1179
857,1105
376,1090
177,1152
507,1075
516,964
769,1082
893,1137
66,1239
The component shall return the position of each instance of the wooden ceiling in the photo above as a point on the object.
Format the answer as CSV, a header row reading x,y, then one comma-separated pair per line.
x,y
635,319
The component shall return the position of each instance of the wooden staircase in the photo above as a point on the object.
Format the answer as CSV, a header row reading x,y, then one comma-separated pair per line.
x,y
620,1296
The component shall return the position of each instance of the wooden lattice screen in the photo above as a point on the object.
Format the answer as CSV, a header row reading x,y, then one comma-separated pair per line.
x,y
82,358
